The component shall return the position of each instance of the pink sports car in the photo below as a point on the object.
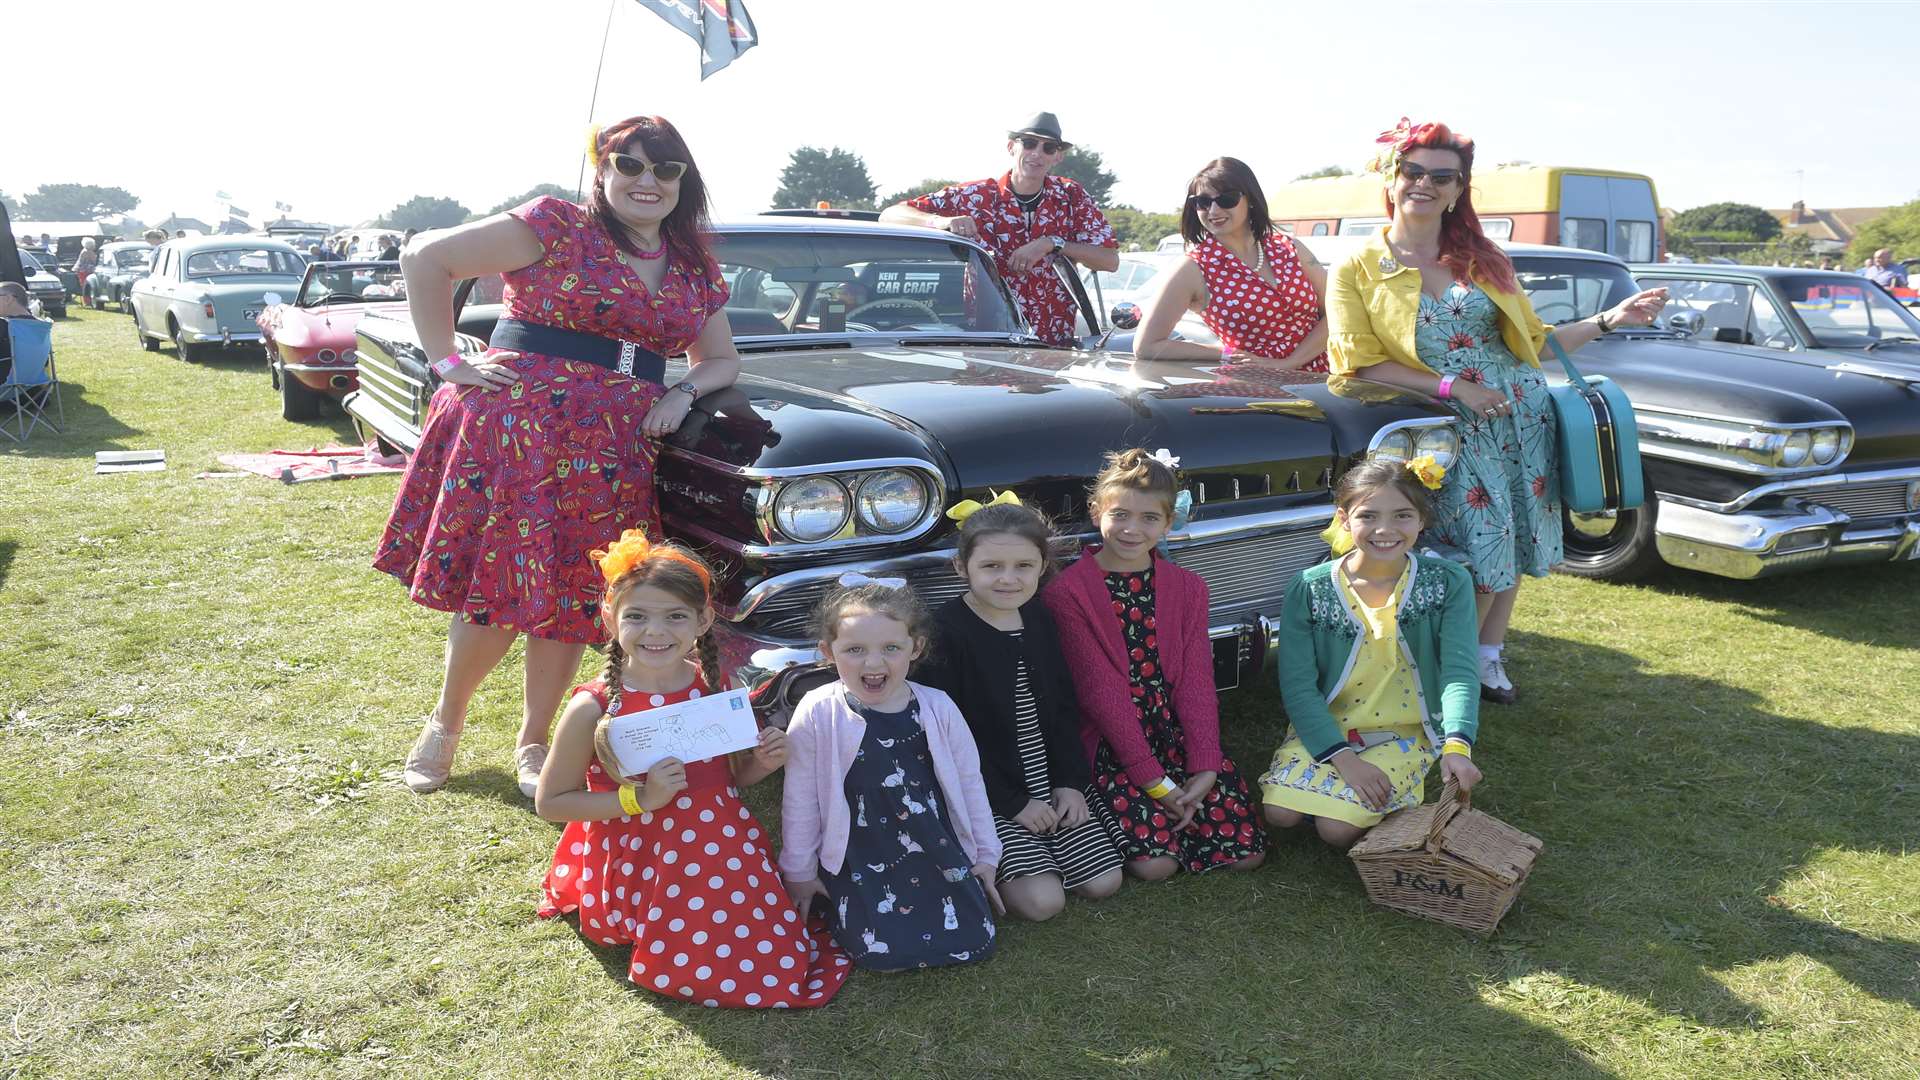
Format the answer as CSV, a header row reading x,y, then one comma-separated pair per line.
x,y
309,342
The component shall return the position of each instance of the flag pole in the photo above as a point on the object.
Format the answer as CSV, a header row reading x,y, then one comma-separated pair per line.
x,y
580,185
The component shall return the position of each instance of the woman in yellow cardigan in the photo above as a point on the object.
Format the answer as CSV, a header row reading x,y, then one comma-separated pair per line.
x,y
1432,305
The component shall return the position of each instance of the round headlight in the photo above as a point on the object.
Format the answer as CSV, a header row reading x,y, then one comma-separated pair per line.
x,y
1441,442
1397,445
1794,452
811,510
1826,446
891,501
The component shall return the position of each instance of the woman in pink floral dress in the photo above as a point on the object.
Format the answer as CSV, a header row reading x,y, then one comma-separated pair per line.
x,y
543,449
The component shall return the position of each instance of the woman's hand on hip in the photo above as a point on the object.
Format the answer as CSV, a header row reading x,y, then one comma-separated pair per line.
x,y
488,371
667,414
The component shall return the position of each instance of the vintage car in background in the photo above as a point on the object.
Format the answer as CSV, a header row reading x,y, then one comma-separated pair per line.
x,y
1819,317
1756,463
208,292
309,342
122,263
43,286
852,429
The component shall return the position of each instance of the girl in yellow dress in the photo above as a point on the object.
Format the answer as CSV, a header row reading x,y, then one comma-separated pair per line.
x,y
1378,665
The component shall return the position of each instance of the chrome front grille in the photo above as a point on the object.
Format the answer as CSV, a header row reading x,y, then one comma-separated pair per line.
x,y
1865,500
1243,574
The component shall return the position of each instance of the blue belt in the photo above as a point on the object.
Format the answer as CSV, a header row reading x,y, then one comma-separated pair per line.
x,y
626,357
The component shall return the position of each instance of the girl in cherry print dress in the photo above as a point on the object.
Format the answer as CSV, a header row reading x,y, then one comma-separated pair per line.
x,y
671,862
1256,289
527,462
1133,627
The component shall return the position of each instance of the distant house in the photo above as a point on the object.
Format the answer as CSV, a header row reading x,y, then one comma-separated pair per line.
x,y
175,223
1830,230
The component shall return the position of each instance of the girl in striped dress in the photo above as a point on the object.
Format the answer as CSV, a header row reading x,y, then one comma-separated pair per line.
x,y
998,656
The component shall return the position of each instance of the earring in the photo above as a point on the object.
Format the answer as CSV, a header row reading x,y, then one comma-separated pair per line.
x,y
1451,205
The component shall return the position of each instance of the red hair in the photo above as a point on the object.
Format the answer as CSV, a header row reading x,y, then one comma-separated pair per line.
x,y
1464,248
686,226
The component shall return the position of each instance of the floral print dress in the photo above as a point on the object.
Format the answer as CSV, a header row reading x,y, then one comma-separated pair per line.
x,y
1500,502
1224,831
511,488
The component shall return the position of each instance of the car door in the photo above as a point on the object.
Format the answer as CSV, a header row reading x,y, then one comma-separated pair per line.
x,y
150,296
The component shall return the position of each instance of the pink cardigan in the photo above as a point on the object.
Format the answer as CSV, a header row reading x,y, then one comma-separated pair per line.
x,y
1096,652
822,739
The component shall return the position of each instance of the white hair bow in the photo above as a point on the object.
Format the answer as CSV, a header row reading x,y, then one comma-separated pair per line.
x,y
853,579
1165,457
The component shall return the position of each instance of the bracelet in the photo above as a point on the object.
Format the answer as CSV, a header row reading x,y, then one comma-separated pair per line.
x,y
447,363
1226,352
630,800
1446,388
1162,788
1455,746
1600,321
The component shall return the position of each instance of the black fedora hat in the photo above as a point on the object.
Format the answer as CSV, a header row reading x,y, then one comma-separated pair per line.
x,y
1044,124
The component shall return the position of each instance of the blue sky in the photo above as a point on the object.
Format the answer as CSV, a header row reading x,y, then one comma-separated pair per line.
x,y
344,109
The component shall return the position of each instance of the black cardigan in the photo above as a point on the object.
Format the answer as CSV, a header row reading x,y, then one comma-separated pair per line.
x,y
974,663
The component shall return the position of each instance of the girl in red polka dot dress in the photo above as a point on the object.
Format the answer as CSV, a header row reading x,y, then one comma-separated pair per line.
x,y
1258,291
671,862
1133,629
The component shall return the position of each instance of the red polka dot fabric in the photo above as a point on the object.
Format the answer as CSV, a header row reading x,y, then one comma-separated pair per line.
x,y
1249,315
692,889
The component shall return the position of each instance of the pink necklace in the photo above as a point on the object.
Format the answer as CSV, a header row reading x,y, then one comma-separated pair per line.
x,y
656,253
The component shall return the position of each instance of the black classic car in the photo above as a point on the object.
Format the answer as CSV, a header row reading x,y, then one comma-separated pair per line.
x,y
1819,317
886,374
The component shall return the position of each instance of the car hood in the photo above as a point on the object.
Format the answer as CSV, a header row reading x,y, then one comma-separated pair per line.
x,y
1043,419
328,326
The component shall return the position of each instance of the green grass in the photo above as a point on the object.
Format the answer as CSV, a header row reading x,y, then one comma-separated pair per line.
x,y
210,869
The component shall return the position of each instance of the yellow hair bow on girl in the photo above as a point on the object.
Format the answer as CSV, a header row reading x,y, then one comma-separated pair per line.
x,y
1337,538
966,508
1429,472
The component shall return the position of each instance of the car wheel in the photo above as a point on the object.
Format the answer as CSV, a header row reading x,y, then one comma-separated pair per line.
x,y
1613,545
188,351
296,401
140,332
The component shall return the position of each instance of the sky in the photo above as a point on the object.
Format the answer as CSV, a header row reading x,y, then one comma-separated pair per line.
x,y
347,108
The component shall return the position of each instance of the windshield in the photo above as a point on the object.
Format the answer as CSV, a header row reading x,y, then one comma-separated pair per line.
x,y
801,283
1843,314
226,261
30,264
133,258
1565,290
350,285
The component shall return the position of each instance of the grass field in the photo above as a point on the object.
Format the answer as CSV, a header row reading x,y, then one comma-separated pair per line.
x,y
208,866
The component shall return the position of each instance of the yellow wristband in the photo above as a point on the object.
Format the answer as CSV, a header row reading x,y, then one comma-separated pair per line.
x,y
630,800
1162,788
1454,746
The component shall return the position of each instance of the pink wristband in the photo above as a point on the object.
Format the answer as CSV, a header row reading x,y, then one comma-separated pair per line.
x,y
449,362
1446,389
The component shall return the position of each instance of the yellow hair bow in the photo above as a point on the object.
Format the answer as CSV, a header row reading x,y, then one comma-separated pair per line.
x,y
966,508
593,144
1429,472
1337,538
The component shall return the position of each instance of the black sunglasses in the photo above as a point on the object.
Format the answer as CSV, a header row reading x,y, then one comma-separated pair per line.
x,y
1412,173
664,171
1226,200
1028,142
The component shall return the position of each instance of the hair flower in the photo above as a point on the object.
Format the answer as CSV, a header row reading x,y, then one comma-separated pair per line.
x,y
966,508
624,555
1182,511
593,145
1337,537
1165,457
1428,471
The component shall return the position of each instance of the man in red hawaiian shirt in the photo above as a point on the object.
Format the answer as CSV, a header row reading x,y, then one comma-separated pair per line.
x,y
1027,217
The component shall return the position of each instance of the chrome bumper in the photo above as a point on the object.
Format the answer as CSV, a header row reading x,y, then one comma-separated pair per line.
x,y
224,337
1762,543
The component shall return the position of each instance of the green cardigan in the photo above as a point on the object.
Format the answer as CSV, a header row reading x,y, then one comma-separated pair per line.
x,y
1320,641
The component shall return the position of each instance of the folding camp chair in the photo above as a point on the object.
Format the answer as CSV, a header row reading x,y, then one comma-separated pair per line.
x,y
31,383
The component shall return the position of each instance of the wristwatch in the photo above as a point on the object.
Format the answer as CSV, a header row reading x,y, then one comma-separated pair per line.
x,y
1059,245
687,387
1600,320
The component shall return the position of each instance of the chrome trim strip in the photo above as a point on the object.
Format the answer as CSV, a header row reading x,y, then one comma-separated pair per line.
x,y
1744,421
327,369
694,457
1800,486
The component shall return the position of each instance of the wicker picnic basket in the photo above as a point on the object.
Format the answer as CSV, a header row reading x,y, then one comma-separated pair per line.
x,y
1447,862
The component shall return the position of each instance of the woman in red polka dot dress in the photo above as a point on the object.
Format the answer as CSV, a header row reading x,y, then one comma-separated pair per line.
x,y
672,863
1258,291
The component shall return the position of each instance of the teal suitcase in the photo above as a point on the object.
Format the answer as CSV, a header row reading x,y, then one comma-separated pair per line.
x,y
1597,441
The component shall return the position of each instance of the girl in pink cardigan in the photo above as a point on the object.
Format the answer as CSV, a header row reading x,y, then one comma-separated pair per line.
x,y
885,817
1133,627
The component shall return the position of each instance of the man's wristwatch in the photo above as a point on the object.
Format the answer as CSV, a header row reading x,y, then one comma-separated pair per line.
x,y
687,387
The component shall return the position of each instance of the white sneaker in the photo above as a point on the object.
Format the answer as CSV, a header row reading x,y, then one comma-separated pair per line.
x,y
1494,684
528,760
430,761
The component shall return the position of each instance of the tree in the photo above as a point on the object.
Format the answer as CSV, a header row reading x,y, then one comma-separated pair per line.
x,y
924,187
535,192
425,212
1328,170
835,176
1138,230
1085,167
1898,228
75,202
12,204
1736,222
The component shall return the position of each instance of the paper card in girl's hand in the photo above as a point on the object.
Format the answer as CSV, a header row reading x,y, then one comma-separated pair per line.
x,y
703,727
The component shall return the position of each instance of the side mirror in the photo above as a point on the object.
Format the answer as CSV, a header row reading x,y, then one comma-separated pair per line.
x,y
1685,323
1125,316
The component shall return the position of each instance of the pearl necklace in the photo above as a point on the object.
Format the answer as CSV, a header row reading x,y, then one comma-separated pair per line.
x,y
1259,258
